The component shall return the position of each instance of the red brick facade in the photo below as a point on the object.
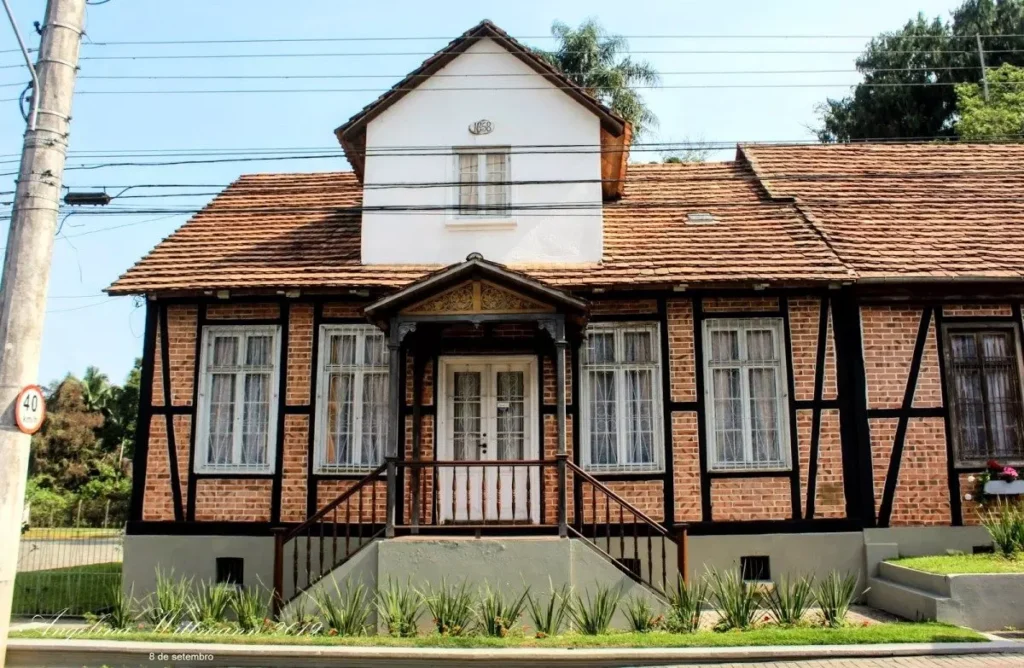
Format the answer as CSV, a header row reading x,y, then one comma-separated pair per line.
x,y
889,336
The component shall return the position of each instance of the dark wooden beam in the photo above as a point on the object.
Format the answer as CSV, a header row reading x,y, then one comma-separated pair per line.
x,y
819,383
140,456
172,449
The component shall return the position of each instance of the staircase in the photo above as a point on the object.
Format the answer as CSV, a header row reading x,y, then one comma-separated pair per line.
x,y
638,546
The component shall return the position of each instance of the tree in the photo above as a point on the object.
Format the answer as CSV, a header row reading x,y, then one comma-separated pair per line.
x,y
121,413
593,60
95,388
64,449
1002,115
909,75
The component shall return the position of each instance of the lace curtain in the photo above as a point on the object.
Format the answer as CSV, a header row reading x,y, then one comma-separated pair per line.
x,y
620,371
356,363
984,386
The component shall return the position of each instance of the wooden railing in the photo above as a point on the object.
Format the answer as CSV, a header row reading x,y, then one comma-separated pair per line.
x,y
477,494
329,538
625,534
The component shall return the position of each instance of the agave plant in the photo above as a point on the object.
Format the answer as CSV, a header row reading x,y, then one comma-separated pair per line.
x,y
548,618
497,613
122,609
399,609
593,616
451,606
640,614
210,603
736,599
1005,525
250,607
834,595
789,600
686,603
169,604
344,611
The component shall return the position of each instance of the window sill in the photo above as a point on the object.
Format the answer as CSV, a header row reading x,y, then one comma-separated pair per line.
x,y
469,224
234,473
750,472
609,471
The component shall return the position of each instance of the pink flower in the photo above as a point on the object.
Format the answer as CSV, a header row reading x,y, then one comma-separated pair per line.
x,y
1010,474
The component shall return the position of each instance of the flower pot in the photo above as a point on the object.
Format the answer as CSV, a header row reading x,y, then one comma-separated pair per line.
x,y
1002,487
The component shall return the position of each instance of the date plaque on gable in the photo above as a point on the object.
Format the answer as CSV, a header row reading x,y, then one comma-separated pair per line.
x,y
481,127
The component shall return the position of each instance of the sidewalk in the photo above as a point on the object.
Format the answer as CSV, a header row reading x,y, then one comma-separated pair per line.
x,y
57,653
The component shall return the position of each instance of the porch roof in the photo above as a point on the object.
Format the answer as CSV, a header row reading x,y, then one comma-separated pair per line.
x,y
475,267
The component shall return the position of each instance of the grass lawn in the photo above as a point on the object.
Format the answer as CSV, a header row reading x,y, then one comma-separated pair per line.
x,y
69,533
76,590
951,564
900,632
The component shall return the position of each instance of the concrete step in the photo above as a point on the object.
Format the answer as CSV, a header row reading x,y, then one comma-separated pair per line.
x,y
906,601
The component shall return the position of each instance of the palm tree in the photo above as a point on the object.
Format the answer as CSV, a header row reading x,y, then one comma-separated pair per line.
x,y
593,60
95,389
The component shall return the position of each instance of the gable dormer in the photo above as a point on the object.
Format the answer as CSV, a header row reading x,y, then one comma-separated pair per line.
x,y
485,148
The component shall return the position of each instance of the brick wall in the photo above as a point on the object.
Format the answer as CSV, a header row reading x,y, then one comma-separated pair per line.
x,y
743,499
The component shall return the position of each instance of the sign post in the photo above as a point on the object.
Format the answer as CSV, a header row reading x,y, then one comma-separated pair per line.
x,y
30,409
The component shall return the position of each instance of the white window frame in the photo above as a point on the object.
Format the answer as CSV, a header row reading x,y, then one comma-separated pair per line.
x,y
619,369
481,183
209,334
781,365
359,370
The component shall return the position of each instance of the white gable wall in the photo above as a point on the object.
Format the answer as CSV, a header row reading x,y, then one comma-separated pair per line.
x,y
433,117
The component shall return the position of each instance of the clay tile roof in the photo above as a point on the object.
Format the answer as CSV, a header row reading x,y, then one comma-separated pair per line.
x,y
276,231
908,211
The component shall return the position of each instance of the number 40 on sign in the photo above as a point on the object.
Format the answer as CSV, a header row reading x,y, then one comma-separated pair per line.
x,y
30,409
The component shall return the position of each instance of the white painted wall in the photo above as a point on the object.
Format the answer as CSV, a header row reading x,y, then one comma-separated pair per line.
x,y
429,117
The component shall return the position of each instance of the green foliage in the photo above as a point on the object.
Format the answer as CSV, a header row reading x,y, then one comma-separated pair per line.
x,y
121,614
210,603
834,595
497,614
169,604
251,607
592,59
548,618
451,606
736,599
399,609
1002,115
345,611
923,51
1005,524
299,620
686,603
640,615
593,616
79,457
955,564
789,600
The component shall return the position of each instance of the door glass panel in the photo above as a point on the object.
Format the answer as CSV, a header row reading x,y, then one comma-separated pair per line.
x,y
510,410
466,415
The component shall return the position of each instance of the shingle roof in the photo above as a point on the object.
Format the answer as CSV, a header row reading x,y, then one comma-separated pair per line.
x,y
273,231
908,211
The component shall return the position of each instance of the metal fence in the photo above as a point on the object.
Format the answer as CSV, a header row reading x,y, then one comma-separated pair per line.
x,y
69,561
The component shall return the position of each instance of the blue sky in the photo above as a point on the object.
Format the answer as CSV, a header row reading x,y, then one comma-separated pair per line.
x,y
84,327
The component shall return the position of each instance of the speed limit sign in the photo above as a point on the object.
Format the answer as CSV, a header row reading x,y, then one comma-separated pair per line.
x,y
30,409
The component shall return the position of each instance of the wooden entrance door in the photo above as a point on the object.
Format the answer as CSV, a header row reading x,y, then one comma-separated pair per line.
x,y
488,414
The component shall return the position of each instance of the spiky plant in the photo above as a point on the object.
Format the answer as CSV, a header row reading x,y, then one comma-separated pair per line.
x,y
789,599
250,606
169,603
548,618
122,609
736,599
834,595
497,613
345,611
210,603
451,607
399,609
640,614
686,602
593,616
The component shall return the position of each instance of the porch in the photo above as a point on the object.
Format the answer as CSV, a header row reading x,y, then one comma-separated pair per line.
x,y
480,450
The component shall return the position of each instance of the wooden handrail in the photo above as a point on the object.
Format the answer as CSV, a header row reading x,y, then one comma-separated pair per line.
x,y
375,474
621,501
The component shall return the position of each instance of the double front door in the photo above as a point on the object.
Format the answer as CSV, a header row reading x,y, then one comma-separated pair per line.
x,y
488,414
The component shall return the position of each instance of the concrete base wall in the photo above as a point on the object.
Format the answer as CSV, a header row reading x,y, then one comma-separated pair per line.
x,y
893,543
196,557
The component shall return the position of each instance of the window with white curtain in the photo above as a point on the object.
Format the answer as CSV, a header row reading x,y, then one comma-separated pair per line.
x,y
745,394
983,371
352,399
621,398
483,188
237,399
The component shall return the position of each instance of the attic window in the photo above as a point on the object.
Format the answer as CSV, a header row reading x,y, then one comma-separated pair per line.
x,y
700,218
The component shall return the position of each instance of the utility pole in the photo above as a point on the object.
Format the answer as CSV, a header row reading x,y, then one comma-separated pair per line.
x,y
981,59
26,271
